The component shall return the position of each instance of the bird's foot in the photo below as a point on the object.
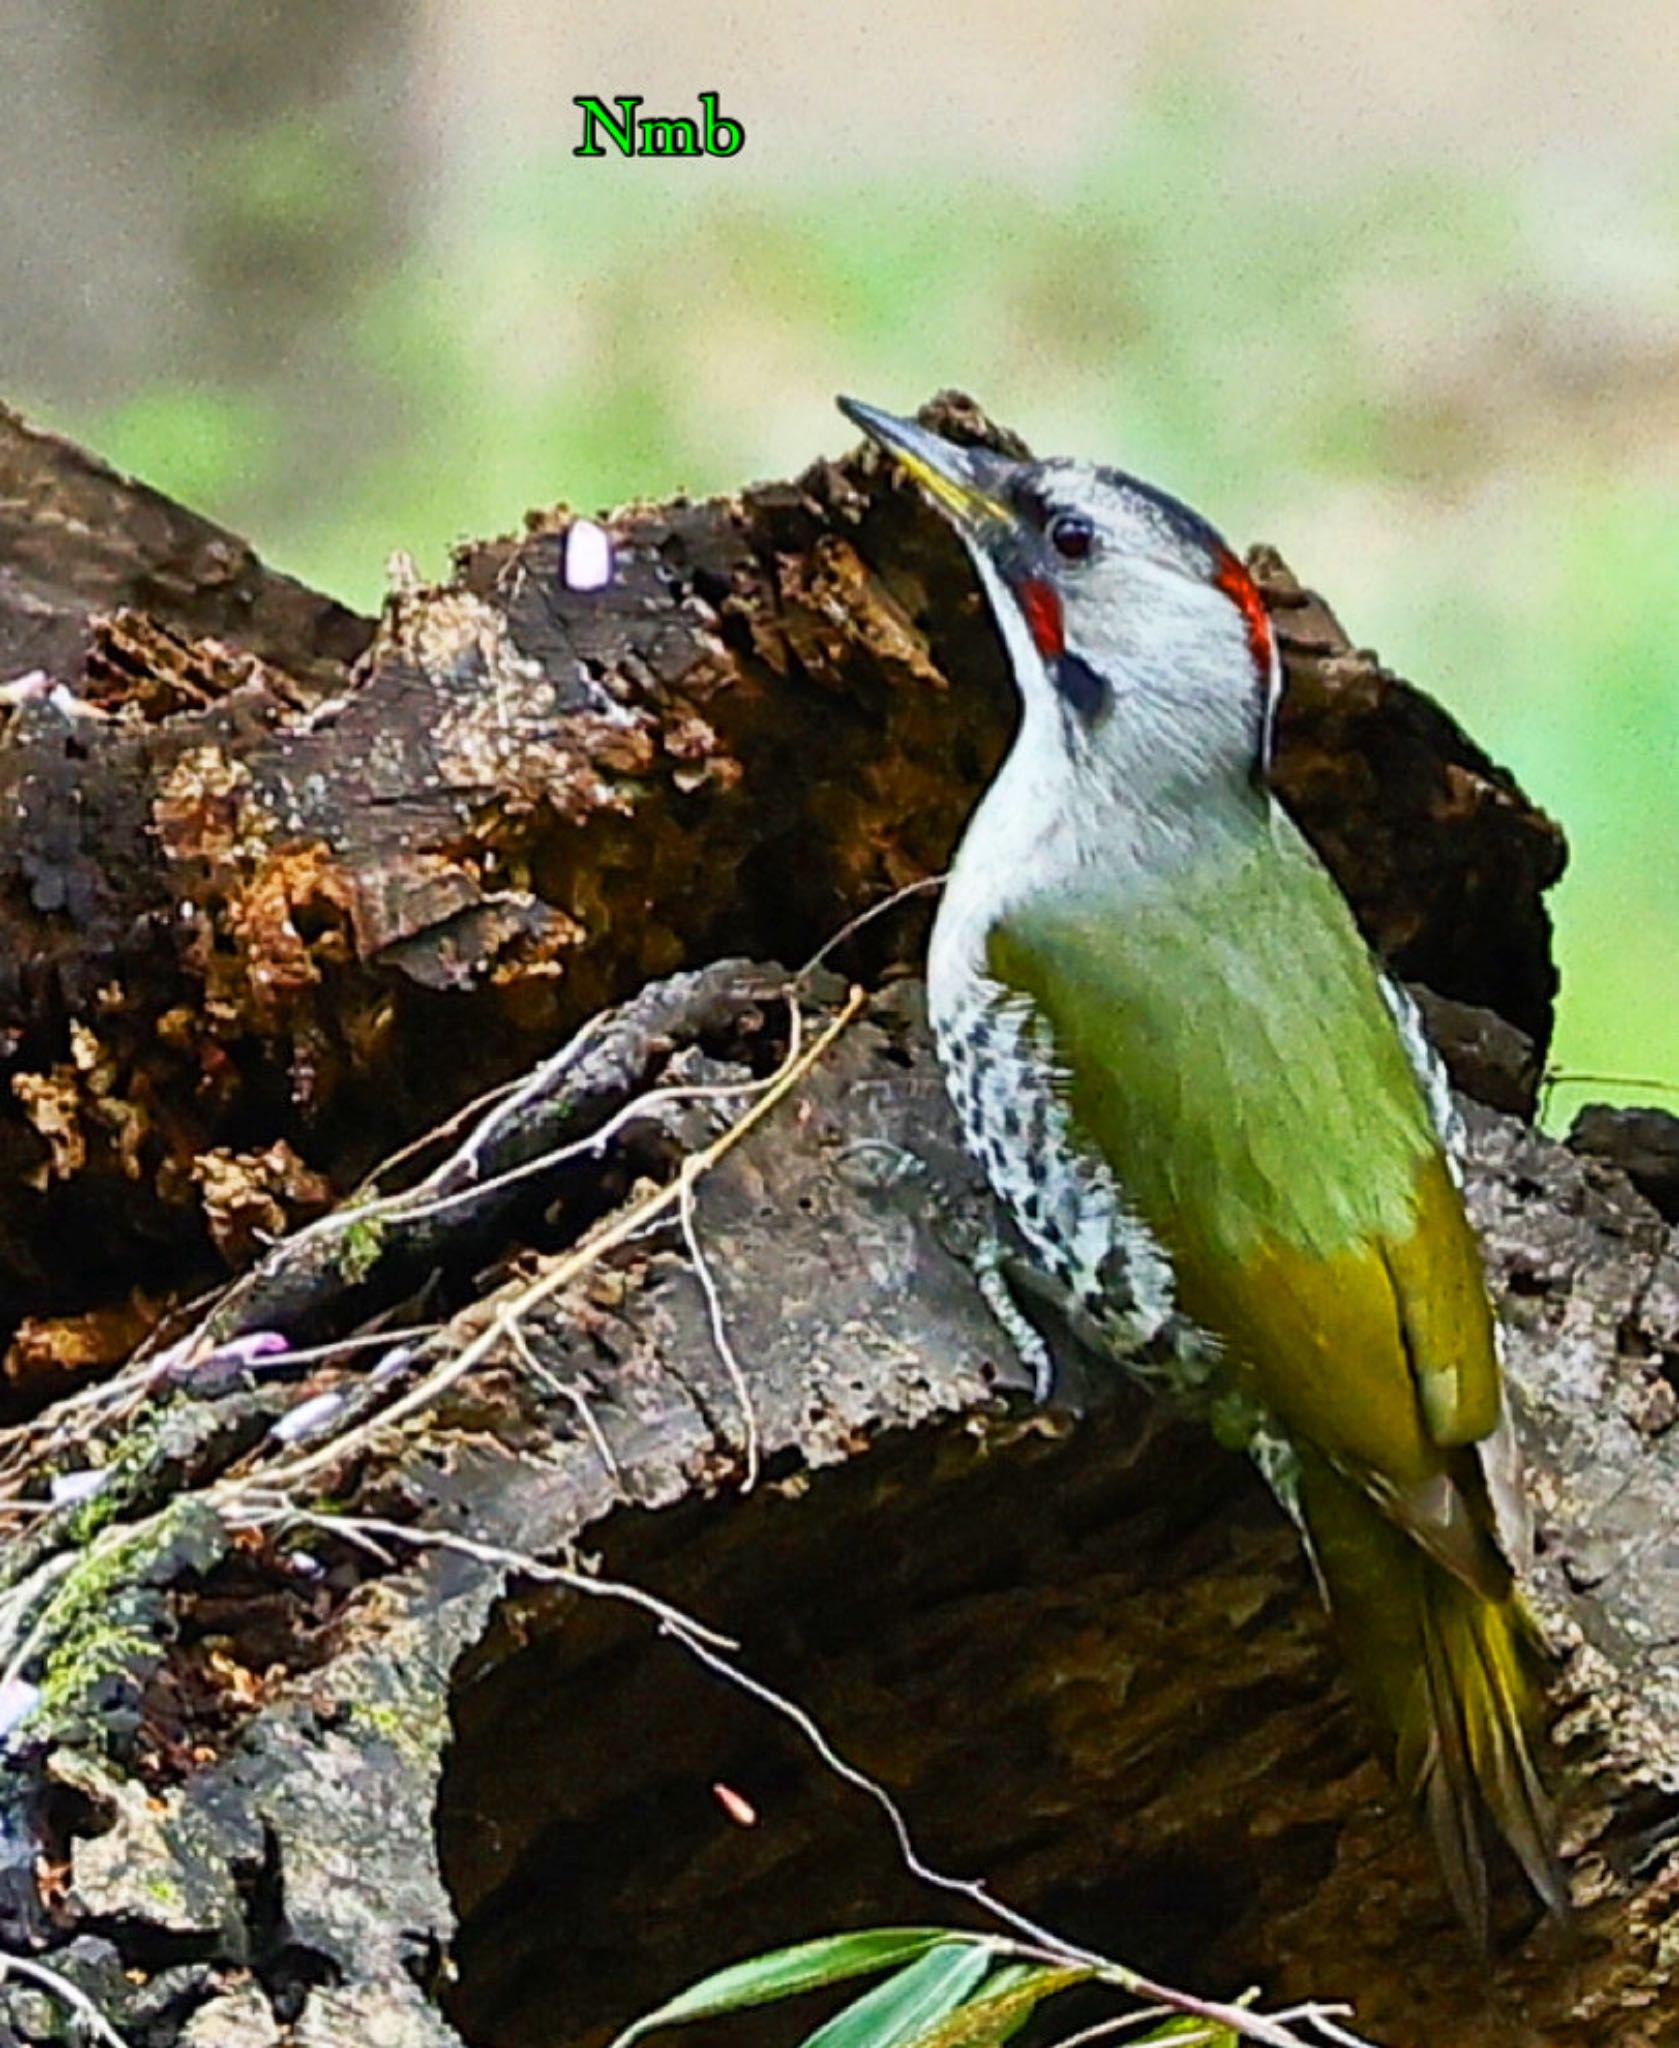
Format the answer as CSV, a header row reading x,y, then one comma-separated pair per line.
x,y
991,1264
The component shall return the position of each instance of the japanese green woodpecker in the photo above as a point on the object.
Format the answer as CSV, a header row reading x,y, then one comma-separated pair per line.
x,y
1215,1121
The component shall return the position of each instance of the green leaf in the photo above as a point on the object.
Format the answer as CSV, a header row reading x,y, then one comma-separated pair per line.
x,y
785,1972
1204,2033
901,2010
1004,2006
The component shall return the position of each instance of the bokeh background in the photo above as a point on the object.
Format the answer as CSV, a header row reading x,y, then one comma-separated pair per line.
x,y
1395,288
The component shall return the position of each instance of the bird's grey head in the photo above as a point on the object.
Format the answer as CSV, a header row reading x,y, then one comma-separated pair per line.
x,y
1139,641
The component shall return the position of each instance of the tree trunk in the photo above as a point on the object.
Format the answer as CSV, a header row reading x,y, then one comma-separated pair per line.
x,y
283,890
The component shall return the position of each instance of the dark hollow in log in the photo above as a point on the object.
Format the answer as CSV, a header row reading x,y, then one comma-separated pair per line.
x,y
1086,1665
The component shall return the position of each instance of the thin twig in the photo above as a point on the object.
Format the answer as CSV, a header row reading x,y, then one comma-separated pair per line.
x,y
1108,2030
371,1185
357,1531
375,1528
576,1148
1564,1077
1554,1078
67,1993
1323,2017
584,1407
1123,2023
719,1323
560,1275
539,1081
925,885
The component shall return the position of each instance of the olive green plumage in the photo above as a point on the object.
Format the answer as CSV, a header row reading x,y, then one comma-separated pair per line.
x,y
1227,1050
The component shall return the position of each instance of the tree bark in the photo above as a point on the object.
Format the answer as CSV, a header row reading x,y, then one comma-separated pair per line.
x,y
268,917
262,916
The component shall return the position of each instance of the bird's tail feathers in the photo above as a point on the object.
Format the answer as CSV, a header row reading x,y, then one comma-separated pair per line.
x,y
1449,1674
1464,1740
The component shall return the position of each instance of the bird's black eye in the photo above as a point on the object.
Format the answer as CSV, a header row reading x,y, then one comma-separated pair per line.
x,y
1072,535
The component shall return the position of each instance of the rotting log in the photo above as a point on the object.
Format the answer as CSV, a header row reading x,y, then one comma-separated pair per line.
x,y
278,889
279,1785
279,1774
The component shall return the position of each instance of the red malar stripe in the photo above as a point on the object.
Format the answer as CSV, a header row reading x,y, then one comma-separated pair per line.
x,y
1043,617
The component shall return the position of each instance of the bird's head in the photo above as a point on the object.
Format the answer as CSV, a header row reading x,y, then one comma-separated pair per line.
x,y
1137,637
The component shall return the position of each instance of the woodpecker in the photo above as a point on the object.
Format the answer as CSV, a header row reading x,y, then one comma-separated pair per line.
x,y
1216,1123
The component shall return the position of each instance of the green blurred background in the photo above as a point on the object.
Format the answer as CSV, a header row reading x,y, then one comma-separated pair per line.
x,y
1397,290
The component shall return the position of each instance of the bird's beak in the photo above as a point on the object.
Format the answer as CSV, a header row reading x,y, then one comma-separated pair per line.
x,y
964,482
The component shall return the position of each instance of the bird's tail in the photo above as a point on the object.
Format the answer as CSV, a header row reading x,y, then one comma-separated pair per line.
x,y
1447,1670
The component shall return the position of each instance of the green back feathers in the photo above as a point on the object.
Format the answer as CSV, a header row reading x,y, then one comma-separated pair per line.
x,y
1229,1050
1226,1046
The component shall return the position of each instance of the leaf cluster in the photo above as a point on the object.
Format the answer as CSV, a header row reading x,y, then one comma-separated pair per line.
x,y
939,1987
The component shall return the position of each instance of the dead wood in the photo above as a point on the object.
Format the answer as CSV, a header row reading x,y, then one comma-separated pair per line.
x,y
262,918
281,1781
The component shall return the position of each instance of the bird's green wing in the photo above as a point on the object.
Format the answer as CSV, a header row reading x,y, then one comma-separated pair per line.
x,y
1227,1050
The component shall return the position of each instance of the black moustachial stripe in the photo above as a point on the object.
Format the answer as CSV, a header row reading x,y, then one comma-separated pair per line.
x,y
1079,684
